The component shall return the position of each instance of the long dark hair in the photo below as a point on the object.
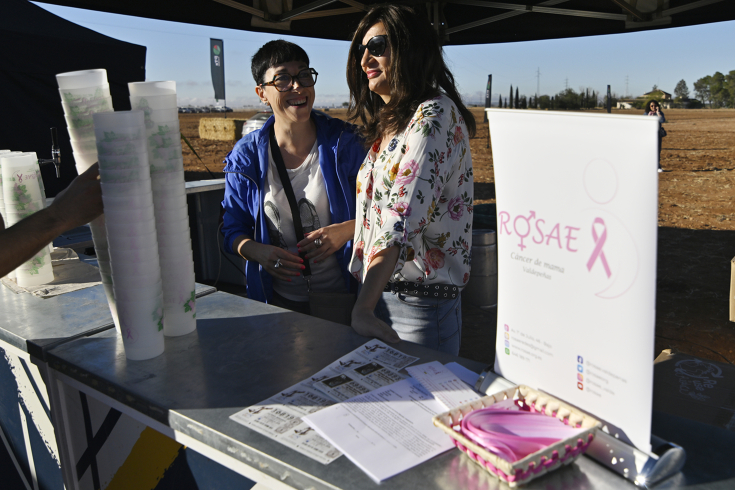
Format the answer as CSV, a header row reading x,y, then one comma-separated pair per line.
x,y
417,72
648,105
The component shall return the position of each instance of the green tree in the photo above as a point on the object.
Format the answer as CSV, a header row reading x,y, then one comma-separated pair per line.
x,y
719,90
500,101
702,89
681,90
730,84
516,105
544,102
345,104
511,96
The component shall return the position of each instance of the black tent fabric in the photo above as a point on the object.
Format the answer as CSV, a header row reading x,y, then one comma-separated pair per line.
x,y
458,21
36,46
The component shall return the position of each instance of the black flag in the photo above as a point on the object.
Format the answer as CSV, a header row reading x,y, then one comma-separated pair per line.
x,y
217,55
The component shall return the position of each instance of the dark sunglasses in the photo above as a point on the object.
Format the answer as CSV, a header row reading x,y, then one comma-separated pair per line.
x,y
284,82
375,46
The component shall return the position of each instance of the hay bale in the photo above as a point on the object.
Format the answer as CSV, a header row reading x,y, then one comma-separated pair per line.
x,y
219,128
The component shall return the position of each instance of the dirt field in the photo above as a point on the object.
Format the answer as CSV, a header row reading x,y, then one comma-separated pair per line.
x,y
696,228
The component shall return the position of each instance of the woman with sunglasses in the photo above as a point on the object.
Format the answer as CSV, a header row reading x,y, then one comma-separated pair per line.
x,y
414,190
321,156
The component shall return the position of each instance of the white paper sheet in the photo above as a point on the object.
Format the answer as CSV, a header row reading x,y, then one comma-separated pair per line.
x,y
441,382
386,431
279,417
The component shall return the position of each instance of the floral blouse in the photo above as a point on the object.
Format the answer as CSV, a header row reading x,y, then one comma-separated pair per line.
x,y
417,194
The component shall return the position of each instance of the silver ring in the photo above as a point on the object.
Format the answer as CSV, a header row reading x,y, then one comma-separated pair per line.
x,y
277,264
318,242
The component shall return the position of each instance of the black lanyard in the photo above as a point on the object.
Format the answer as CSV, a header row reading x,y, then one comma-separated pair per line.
x,y
286,183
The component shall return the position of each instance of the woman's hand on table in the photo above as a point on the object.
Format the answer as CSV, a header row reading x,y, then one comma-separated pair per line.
x,y
365,323
276,261
331,238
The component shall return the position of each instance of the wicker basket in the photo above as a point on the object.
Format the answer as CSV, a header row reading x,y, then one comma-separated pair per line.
x,y
534,465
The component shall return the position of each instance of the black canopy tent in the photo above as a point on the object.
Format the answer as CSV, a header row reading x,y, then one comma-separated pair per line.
x,y
459,21
36,46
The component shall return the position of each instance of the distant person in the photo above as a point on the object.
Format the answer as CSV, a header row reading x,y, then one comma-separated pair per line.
x,y
76,205
654,109
321,156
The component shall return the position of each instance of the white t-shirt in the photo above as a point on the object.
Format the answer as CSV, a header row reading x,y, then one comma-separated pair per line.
x,y
311,196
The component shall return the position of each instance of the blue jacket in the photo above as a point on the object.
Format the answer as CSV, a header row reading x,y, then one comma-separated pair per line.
x,y
341,153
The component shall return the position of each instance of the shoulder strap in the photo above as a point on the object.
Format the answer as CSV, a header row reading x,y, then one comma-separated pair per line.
x,y
286,183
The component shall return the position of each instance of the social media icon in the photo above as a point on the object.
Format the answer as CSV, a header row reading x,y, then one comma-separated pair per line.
x,y
507,335
580,377
580,360
507,343
507,351
507,328
580,386
580,368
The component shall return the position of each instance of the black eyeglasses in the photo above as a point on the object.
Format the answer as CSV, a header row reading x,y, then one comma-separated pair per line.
x,y
284,82
375,46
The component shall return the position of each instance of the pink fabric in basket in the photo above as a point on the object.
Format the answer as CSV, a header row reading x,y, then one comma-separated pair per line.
x,y
514,434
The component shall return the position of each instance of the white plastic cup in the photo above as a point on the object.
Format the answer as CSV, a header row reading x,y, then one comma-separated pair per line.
x,y
137,293
143,89
114,175
123,204
171,214
112,121
84,78
159,167
130,215
115,230
173,241
132,281
174,227
87,106
36,271
176,258
20,180
92,92
88,145
118,162
173,152
184,272
176,190
126,190
121,148
169,202
110,294
161,115
168,179
141,327
153,102
179,319
102,254
15,215
80,128
133,242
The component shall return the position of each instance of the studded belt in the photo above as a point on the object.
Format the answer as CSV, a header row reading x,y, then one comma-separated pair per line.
x,y
422,290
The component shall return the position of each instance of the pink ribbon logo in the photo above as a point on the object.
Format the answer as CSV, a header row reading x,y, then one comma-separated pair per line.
x,y
599,243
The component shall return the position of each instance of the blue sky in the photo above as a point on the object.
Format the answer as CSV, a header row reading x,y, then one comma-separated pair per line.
x,y
179,52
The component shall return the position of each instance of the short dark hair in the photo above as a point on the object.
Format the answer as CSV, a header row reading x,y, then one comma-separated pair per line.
x,y
275,53
417,72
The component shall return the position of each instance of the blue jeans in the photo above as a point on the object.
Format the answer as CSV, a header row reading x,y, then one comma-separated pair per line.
x,y
431,322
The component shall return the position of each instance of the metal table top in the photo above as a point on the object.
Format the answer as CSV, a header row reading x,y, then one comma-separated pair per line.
x,y
33,324
244,351
204,185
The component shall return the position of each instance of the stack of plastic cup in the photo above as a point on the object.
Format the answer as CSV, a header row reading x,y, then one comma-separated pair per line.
x,y
131,231
22,197
84,93
5,153
158,102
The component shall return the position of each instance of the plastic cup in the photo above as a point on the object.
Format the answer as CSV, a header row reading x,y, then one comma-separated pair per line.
x,y
132,281
126,190
87,145
161,115
115,121
84,78
171,214
137,293
179,319
168,191
161,167
175,259
168,179
121,148
77,95
134,249
80,127
115,230
173,227
143,89
169,202
129,215
119,162
36,271
110,294
182,271
154,102
87,106
102,254
124,175
14,215
157,155
141,327
124,204
173,241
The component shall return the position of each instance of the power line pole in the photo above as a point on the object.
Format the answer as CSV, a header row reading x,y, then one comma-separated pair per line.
x,y
566,84
538,82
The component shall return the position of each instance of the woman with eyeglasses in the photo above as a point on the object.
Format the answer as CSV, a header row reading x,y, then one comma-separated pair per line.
x,y
413,230
321,156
